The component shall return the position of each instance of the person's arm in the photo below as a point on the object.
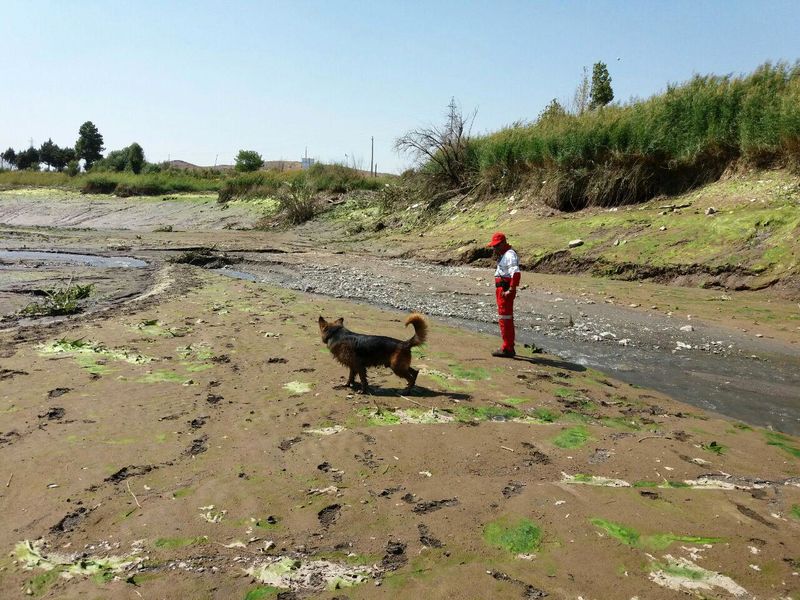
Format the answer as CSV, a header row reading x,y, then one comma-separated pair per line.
x,y
513,270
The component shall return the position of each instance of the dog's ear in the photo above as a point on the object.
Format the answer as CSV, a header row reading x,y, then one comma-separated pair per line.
x,y
339,321
322,321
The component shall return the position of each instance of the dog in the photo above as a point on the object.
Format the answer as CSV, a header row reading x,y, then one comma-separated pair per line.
x,y
358,351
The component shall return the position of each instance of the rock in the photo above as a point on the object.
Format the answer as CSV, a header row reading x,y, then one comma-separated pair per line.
x,y
575,243
662,228
687,328
711,210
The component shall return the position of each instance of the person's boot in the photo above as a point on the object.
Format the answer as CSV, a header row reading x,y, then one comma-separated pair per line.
x,y
501,353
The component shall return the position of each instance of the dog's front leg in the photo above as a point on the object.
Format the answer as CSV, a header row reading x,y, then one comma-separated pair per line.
x,y
362,374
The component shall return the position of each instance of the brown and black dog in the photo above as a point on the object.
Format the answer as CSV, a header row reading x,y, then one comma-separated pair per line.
x,y
358,351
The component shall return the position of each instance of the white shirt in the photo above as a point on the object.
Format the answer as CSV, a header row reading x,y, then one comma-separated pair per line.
x,y
508,264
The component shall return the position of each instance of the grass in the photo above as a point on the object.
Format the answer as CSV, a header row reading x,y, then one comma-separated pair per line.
x,y
178,542
59,301
659,541
784,442
666,144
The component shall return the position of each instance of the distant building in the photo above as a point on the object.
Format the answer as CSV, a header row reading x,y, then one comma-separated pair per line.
x,y
306,162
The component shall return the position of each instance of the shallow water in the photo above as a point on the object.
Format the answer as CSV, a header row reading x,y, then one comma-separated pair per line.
x,y
88,260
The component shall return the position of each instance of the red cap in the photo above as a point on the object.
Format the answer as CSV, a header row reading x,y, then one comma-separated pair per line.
x,y
497,239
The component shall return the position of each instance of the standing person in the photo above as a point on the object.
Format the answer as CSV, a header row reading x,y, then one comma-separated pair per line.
x,y
506,280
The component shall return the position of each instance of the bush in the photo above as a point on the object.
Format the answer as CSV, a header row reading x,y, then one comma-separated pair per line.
x,y
297,201
59,301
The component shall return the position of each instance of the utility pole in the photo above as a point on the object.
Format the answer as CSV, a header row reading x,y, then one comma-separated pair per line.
x,y
372,156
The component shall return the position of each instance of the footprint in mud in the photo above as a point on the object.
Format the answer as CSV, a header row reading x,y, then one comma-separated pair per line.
x,y
54,414
395,556
429,506
214,399
198,446
426,539
198,422
288,443
600,455
329,514
129,471
528,591
9,373
277,360
70,520
367,459
55,393
749,512
535,456
512,489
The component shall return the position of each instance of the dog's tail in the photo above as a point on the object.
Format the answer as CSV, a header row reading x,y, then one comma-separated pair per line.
x,y
420,329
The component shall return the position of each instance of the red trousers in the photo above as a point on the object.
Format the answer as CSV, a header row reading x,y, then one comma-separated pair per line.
x,y
505,317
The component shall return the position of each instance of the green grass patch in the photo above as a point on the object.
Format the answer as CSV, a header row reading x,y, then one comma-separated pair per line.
x,y
520,537
470,374
715,447
795,511
465,414
782,441
662,484
515,401
545,415
626,535
574,437
658,541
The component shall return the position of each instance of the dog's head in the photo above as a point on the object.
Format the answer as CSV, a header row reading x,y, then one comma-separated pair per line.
x,y
327,328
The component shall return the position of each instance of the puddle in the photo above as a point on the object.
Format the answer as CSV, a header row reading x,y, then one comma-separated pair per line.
x,y
89,260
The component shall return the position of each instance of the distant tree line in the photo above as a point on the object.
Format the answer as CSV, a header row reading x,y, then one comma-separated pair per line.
x,y
88,148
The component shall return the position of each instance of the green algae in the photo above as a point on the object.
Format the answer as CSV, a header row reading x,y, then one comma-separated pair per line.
x,y
296,388
96,349
795,511
261,592
574,437
715,447
179,542
658,541
545,415
520,537
162,376
515,401
466,414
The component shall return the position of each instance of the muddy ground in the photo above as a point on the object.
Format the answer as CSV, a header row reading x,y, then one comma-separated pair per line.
x,y
185,438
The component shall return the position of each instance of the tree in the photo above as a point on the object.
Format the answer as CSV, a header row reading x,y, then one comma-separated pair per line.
x,y
10,156
89,146
28,159
48,153
580,101
553,110
248,160
601,93
63,157
445,147
135,158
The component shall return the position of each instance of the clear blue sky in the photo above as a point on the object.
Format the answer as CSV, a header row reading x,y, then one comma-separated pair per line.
x,y
193,80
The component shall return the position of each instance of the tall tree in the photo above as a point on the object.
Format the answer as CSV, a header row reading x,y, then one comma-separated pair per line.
x,y
601,93
89,146
63,157
136,158
48,153
10,156
28,159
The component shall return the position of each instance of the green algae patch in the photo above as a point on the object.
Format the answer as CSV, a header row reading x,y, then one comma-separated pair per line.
x,y
261,592
95,349
782,441
574,437
626,535
596,480
296,388
162,376
177,542
795,511
519,537
681,574
666,484
287,573
155,328
470,374
620,423
658,541
199,352
466,414
32,555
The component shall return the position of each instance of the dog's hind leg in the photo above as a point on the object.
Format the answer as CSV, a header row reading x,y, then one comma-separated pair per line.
x,y
411,378
362,374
